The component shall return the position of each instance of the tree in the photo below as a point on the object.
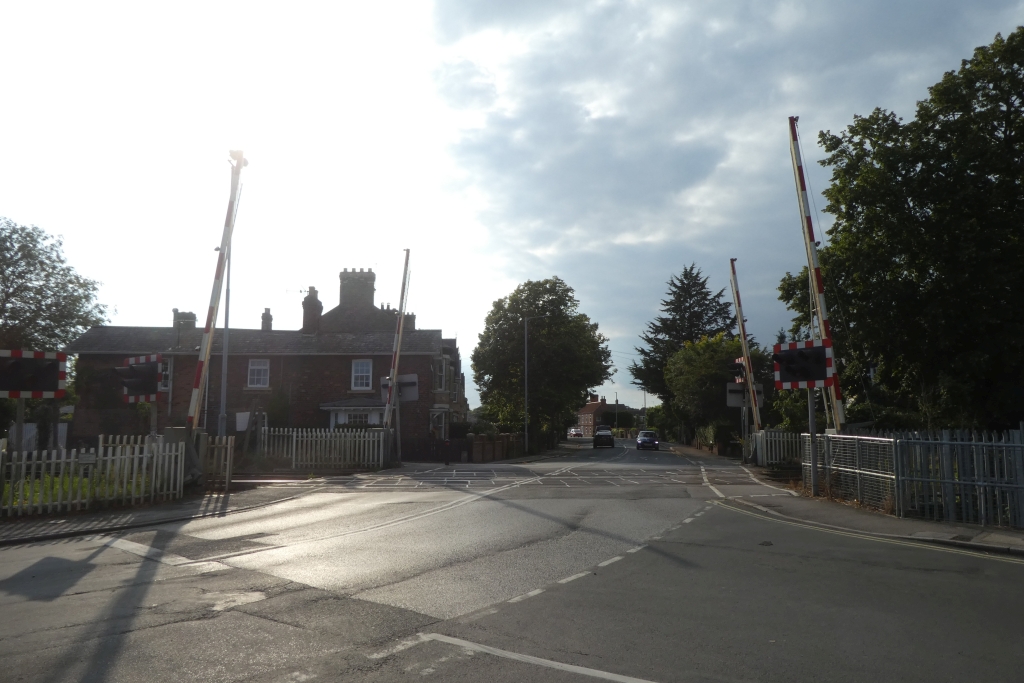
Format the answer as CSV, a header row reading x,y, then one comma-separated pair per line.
x,y
691,311
44,303
923,263
568,356
697,375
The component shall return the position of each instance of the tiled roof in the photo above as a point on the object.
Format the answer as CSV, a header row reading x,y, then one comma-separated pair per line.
x,y
132,341
592,407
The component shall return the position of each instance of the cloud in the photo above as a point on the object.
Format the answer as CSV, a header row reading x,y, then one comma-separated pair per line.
x,y
616,142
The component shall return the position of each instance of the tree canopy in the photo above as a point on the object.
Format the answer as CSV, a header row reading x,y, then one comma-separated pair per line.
x,y
691,311
568,356
697,375
923,261
44,302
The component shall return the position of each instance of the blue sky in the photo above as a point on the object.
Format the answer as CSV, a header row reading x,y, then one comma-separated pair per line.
x,y
608,143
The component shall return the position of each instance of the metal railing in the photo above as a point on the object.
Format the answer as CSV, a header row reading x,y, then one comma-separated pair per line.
x,y
965,477
775,447
977,481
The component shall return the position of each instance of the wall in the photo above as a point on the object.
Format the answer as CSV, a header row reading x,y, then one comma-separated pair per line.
x,y
307,381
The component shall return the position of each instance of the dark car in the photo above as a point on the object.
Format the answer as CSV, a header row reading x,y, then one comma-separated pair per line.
x,y
603,437
646,440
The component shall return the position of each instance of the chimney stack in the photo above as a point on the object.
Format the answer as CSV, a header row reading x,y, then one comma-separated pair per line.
x,y
268,321
184,320
311,311
357,288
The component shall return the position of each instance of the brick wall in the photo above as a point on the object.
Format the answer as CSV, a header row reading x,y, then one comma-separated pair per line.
x,y
307,381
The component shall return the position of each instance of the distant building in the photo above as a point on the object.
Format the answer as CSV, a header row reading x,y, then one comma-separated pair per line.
x,y
589,416
329,374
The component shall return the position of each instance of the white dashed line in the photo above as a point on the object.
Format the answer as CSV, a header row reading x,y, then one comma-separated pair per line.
x,y
636,549
527,595
687,521
575,576
608,562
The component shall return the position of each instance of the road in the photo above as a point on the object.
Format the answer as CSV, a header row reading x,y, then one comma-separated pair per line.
x,y
607,564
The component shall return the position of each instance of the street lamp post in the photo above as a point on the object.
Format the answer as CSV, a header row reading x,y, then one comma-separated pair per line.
x,y
526,379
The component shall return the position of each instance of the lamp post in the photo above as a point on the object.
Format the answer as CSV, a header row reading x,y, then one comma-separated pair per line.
x,y
526,379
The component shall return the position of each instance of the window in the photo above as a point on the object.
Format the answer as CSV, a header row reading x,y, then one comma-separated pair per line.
x,y
358,418
259,374
361,371
439,374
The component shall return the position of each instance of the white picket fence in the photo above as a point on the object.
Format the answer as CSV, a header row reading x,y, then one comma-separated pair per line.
x,y
326,449
774,447
40,482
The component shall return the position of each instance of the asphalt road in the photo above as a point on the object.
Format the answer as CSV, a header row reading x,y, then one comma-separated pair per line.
x,y
604,565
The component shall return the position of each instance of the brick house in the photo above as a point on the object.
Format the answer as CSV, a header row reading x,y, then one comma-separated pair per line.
x,y
589,416
330,373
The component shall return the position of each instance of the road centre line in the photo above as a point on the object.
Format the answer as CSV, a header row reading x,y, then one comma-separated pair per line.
x,y
576,576
775,517
636,549
687,520
608,562
551,664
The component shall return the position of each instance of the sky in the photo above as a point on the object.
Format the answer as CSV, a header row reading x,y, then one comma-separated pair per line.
x,y
608,143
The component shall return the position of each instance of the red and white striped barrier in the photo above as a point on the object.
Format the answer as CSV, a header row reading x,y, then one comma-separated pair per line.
x,y
49,355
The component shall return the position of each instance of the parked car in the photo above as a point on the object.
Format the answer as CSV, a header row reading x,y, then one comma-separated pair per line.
x,y
603,437
646,440
575,432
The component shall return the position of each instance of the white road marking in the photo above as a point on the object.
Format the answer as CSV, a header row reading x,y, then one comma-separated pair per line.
x,y
636,549
403,645
699,514
751,475
572,668
575,576
524,596
687,521
704,474
156,555
608,562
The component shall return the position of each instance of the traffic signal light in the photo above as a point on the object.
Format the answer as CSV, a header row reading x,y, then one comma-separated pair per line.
x,y
32,374
739,370
141,377
803,365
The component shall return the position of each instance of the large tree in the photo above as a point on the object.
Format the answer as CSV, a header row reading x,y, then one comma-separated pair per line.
x,y
691,311
568,356
44,302
698,373
924,258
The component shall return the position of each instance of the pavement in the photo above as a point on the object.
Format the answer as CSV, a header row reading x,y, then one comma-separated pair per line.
x,y
847,516
607,564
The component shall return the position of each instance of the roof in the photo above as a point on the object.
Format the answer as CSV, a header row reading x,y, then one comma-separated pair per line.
x,y
592,407
145,340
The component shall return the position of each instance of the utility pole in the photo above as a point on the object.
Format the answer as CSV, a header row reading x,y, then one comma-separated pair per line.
x,y
396,353
812,428
526,379
616,410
